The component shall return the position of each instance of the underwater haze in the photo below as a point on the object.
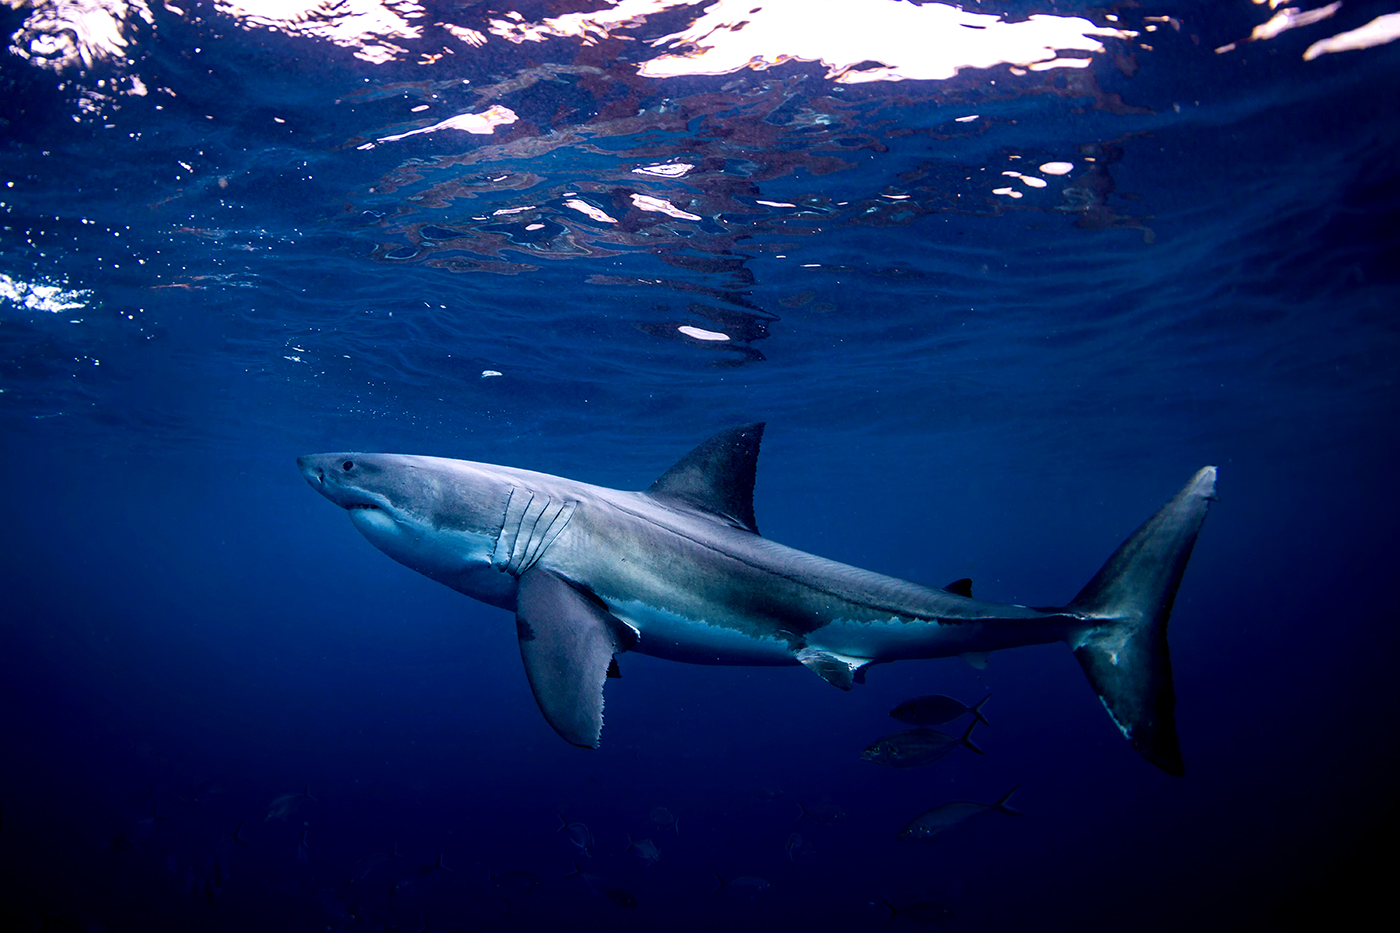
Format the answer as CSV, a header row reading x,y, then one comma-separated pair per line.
x,y
999,279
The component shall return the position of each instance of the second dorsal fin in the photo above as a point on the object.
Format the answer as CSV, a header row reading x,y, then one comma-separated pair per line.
x,y
717,477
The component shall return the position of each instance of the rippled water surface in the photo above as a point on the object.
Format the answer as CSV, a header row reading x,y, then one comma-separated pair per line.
x,y
998,278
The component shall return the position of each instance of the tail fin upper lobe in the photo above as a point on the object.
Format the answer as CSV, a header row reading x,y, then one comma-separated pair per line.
x,y
1125,656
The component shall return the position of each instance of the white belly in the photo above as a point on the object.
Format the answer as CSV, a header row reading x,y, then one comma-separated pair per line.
x,y
676,638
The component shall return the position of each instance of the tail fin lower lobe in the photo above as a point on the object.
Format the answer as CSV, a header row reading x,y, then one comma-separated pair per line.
x,y
1125,655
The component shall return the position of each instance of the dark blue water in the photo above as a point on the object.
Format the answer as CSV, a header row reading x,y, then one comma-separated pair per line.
x,y
200,283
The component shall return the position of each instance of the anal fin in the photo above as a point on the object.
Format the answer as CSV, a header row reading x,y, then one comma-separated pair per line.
x,y
567,641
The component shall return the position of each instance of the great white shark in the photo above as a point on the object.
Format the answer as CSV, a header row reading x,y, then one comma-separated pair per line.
x,y
679,571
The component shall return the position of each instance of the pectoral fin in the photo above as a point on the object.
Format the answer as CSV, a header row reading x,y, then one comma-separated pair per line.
x,y
567,640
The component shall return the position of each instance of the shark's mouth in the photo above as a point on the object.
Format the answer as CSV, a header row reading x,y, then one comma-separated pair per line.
x,y
362,505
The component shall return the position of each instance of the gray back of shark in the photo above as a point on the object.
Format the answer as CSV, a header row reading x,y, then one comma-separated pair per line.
x,y
680,571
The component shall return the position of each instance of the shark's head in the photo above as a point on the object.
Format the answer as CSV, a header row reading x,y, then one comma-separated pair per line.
x,y
439,517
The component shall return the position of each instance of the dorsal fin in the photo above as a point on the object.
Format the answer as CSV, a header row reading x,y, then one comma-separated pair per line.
x,y
961,587
717,477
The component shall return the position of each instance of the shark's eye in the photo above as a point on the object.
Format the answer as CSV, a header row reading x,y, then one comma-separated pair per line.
x,y
348,465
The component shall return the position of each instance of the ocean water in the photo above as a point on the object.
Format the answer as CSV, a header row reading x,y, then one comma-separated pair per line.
x,y
998,279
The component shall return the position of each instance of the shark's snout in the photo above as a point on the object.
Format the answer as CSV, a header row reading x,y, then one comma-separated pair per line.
x,y
336,477
314,473
341,478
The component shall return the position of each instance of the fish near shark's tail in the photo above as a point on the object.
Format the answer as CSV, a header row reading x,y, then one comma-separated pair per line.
x,y
1124,653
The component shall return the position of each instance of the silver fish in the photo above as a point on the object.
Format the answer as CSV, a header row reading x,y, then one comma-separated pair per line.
x,y
516,883
936,709
605,888
662,818
749,886
797,846
955,815
824,812
285,805
924,913
646,850
579,835
916,747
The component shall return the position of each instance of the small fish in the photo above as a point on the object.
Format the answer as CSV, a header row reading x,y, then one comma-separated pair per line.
x,y
285,805
71,922
218,873
916,747
824,812
426,870
514,885
411,879
182,872
335,905
137,834
213,883
579,835
371,863
218,867
955,815
925,913
662,818
646,850
749,886
197,794
935,710
609,891
794,843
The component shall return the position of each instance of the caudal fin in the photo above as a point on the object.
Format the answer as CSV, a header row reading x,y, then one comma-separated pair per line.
x,y
977,710
967,737
1125,653
1002,807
